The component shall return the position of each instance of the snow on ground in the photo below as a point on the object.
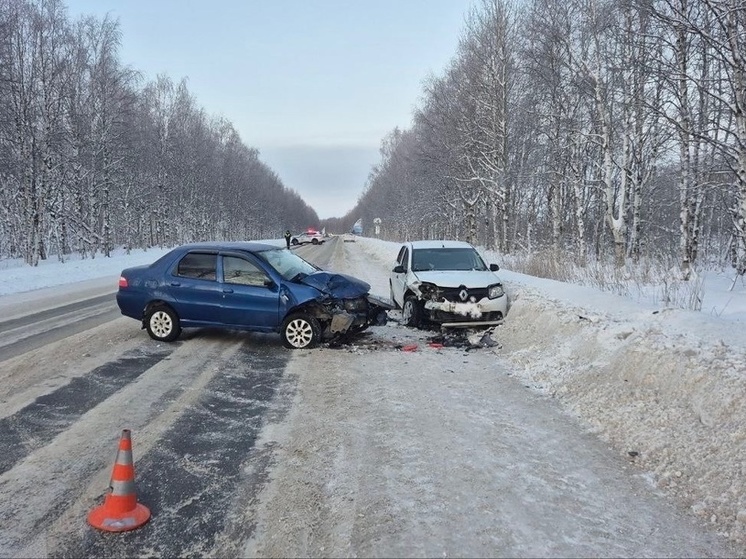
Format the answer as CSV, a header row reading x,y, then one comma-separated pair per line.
x,y
664,387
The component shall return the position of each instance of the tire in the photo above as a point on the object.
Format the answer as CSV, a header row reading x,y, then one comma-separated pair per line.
x,y
412,312
294,241
314,241
162,324
300,331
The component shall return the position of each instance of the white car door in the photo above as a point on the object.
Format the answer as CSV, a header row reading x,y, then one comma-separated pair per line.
x,y
398,280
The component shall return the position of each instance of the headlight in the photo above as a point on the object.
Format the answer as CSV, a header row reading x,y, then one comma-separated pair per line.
x,y
495,291
429,291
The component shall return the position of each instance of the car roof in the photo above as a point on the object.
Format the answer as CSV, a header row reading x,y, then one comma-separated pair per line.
x,y
246,246
439,244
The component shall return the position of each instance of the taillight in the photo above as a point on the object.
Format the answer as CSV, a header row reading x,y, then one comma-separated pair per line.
x,y
122,282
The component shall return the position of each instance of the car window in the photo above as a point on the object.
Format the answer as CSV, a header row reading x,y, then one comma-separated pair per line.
x,y
403,257
399,259
287,263
242,272
198,265
444,259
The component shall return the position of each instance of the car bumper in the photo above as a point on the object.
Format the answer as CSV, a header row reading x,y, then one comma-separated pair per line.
x,y
486,312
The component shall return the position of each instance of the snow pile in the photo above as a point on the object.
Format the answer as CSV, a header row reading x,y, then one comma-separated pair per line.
x,y
673,403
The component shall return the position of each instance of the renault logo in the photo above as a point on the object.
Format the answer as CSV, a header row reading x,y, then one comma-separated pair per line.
x,y
463,294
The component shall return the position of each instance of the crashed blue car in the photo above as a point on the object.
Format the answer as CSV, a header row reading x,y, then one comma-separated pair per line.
x,y
248,286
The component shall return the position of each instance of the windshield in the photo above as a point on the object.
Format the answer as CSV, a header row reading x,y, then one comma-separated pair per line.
x,y
286,263
443,259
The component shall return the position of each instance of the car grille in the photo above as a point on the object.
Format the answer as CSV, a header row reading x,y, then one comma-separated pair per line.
x,y
453,294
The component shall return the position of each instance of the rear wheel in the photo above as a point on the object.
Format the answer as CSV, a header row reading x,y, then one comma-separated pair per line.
x,y
412,312
294,241
162,324
300,331
314,241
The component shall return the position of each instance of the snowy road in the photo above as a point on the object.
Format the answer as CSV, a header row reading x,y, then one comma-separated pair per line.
x,y
243,448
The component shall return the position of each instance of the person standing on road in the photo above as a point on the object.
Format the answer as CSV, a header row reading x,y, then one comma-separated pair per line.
x,y
287,237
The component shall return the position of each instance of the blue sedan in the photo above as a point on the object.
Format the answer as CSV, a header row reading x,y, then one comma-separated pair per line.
x,y
249,286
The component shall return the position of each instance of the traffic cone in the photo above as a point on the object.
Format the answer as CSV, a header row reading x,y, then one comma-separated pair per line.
x,y
121,511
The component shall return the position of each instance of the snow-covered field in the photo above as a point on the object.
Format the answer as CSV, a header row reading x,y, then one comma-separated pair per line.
x,y
664,387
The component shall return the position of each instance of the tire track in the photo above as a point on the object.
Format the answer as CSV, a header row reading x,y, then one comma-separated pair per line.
x,y
49,415
201,466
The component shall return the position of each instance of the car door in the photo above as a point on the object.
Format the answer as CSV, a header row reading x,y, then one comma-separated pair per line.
x,y
251,299
398,280
192,285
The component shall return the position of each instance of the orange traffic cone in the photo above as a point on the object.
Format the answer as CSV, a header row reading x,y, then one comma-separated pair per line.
x,y
121,511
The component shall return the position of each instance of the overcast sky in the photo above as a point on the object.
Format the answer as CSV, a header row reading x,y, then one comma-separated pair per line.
x,y
315,85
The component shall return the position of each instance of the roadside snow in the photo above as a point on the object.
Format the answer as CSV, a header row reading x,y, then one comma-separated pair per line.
x,y
664,387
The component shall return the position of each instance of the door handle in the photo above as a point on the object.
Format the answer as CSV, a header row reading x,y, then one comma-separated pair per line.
x,y
175,284
227,290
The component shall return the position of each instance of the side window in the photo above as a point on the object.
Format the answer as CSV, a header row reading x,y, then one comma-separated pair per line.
x,y
198,265
239,271
402,258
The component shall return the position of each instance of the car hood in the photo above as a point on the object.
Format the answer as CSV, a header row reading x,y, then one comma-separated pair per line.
x,y
470,278
339,286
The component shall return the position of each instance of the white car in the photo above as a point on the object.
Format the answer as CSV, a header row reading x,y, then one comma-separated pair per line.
x,y
313,237
447,283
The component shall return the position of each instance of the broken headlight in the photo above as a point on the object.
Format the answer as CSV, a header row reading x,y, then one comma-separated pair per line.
x,y
495,291
429,291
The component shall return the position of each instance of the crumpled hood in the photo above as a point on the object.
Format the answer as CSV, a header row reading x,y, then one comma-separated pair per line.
x,y
471,278
339,286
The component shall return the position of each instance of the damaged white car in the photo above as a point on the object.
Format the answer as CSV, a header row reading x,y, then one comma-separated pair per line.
x,y
447,283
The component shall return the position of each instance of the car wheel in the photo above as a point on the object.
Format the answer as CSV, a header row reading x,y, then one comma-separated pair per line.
x,y
314,241
294,241
300,331
412,312
162,324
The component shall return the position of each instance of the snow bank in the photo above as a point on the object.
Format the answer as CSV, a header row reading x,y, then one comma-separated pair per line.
x,y
669,399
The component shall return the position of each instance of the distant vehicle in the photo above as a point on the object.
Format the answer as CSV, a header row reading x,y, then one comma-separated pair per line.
x,y
357,229
311,236
247,286
448,283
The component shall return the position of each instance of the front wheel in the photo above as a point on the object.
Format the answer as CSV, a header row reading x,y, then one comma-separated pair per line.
x,y
412,312
163,324
314,241
300,331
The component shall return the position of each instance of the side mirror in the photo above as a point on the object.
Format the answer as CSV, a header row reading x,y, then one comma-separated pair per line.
x,y
494,267
399,269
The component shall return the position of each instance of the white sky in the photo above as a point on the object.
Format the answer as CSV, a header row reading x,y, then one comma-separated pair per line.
x,y
315,85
